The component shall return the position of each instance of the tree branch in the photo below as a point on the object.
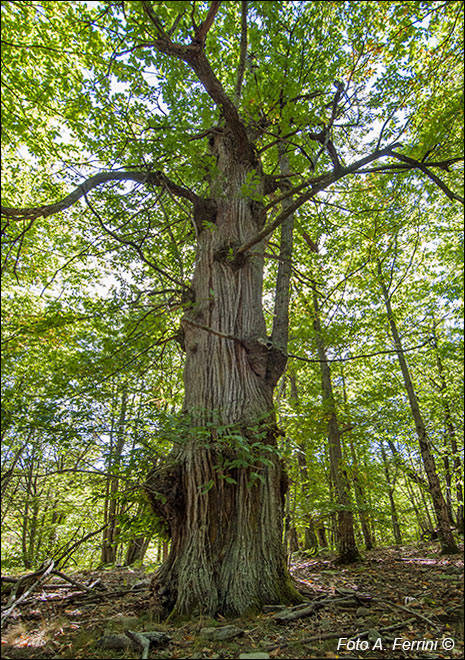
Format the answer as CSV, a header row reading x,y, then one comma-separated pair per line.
x,y
322,182
136,247
151,178
153,18
358,357
422,166
280,330
404,167
202,30
317,185
193,54
201,66
243,52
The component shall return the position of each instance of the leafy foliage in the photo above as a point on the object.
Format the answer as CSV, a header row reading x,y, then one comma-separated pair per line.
x,y
93,294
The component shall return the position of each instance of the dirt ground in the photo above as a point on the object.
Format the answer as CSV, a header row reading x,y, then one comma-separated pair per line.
x,y
397,603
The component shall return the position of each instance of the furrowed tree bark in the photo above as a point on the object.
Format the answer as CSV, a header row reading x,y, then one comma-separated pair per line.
x,y
221,490
226,551
446,539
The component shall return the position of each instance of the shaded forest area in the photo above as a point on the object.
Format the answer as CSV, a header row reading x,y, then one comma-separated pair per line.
x,y
232,329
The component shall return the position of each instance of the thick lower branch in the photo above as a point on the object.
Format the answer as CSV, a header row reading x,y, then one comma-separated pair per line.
x,y
324,181
150,178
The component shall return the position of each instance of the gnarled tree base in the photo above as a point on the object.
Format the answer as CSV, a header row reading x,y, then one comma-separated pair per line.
x,y
226,552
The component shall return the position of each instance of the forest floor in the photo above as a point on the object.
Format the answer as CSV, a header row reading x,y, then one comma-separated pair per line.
x,y
412,590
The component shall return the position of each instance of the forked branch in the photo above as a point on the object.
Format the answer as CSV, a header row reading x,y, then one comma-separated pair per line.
x,y
194,55
316,186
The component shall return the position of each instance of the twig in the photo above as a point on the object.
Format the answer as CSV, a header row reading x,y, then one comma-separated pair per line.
x,y
283,617
363,355
97,595
332,635
70,550
93,584
79,585
399,607
409,611
421,166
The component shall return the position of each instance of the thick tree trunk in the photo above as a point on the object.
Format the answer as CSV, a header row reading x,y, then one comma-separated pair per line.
x,y
446,539
225,522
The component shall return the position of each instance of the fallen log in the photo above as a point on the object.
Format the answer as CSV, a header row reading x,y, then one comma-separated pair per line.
x,y
300,612
38,577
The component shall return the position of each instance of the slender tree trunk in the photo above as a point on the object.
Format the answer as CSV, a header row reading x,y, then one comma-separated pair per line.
x,y
425,502
8,474
392,504
409,470
109,544
451,433
347,548
310,539
446,538
225,522
287,526
321,534
137,546
448,480
56,519
136,549
360,499
28,530
412,497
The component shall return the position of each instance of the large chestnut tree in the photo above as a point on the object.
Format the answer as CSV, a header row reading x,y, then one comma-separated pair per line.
x,y
190,135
